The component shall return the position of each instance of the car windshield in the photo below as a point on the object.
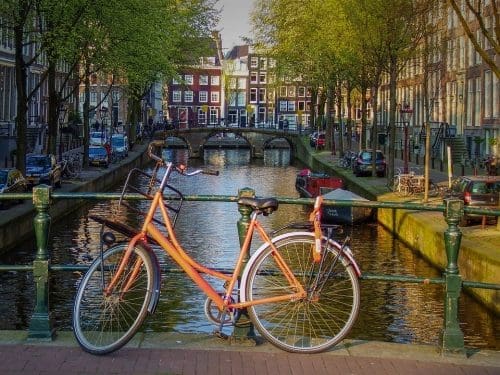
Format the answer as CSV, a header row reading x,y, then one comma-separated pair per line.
x,y
117,141
97,151
35,161
3,177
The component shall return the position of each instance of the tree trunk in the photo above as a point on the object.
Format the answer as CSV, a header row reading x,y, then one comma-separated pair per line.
x,y
349,118
393,74
53,110
22,101
339,112
329,135
373,133
86,116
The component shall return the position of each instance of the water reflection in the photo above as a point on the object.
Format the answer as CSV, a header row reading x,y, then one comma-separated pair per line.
x,y
395,312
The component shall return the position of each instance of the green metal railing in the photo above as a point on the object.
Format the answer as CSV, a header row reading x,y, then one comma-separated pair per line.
x,y
451,339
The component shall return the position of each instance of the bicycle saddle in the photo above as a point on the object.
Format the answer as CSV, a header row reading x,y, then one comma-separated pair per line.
x,y
264,205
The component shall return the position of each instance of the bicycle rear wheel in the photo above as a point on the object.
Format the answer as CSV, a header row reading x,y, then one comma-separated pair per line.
x,y
316,322
104,323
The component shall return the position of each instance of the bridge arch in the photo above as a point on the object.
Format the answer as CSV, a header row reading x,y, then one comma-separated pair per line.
x,y
258,139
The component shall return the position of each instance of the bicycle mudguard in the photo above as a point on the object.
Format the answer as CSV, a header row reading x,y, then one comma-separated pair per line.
x,y
156,279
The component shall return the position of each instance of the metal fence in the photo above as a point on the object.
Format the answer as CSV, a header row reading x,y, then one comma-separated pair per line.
x,y
451,339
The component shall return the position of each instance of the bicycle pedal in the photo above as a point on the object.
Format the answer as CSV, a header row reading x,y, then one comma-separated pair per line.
x,y
221,335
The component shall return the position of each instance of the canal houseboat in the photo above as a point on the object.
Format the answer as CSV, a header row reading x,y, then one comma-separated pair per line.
x,y
345,214
310,185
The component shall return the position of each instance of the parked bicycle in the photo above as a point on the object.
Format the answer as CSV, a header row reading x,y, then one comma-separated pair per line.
x,y
406,184
71,165
300,288
346,160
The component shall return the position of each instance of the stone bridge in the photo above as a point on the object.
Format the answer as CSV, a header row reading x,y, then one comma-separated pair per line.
x,y
258,139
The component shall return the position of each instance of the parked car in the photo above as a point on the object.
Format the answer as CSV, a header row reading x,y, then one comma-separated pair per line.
x,y
97,138
98,156
43,169
362,164
476,191
119,145
11,181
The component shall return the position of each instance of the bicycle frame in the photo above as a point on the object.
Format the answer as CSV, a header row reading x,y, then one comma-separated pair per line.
x,y
193,269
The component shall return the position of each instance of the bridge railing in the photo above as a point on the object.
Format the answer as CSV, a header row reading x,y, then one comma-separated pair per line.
x,y
451,338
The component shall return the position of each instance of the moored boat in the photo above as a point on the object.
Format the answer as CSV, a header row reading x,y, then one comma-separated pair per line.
x,y
344,214
310,185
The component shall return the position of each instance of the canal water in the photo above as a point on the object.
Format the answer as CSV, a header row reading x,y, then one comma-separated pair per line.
x,y
390,311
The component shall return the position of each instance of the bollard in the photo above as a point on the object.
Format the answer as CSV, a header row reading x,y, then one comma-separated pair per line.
x,y
41,327
243,330
452,337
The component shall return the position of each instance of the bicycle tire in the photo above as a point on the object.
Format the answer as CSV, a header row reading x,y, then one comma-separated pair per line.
x,y
103,324
315,323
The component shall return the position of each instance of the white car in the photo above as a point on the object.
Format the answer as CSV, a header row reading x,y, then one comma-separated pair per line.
x,y
119,145
97,138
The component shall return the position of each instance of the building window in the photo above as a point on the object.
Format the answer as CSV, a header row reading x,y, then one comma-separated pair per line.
x,y
291,91
203,80
203,96
283,105
214,97
242,83
242,98
283,91
215,80
213,116
253,77
488,94
262,77
188,96
263,63
477,109
262,115
176,96
272,63
189,79
302,91
202,117
175,82
254,62
262,95
301,106
291,105
253,95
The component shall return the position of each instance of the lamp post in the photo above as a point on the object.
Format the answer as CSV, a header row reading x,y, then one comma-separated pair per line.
x,y
406,112
104,121
62,117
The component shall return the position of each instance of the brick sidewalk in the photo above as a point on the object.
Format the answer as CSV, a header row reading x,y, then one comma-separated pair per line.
x,y
28,359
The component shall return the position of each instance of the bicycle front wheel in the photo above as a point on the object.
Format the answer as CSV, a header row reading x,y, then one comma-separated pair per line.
x,y
104,322
321,319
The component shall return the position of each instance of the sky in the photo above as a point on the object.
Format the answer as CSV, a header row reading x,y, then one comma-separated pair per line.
x,y
234,21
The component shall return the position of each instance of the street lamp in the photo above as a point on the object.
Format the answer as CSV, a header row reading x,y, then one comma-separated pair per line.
x,y
62,117
104,120
406,112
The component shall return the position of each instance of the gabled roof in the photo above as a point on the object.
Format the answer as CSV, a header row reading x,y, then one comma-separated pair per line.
x,y
237,52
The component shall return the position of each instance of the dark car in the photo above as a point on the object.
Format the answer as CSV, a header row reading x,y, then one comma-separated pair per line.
x,y
362,164
476,191
42,169
98,156
11,181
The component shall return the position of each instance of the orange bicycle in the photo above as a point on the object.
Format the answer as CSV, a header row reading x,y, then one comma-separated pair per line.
x,y
300,288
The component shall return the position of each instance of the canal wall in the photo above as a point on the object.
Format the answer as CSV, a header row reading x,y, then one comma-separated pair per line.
x,y
479,257
16,224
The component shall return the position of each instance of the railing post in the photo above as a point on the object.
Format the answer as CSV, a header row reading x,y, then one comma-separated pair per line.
x,y
452,337
244,330
41,327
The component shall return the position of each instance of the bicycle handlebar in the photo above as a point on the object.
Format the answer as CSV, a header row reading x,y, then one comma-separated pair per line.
x,y
181,169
